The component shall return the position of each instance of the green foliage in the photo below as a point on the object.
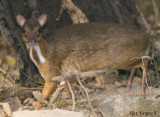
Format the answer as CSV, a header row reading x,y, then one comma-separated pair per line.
x,y
95,103
158,96
139,72
152,57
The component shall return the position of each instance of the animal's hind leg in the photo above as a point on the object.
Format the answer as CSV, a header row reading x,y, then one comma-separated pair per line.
x,y
145,68
130,79
48,87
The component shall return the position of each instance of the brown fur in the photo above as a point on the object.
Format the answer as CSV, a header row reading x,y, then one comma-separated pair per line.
x,y
88,47
96,46
92,46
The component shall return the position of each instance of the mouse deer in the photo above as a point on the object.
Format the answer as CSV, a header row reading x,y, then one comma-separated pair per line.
x,y
86,47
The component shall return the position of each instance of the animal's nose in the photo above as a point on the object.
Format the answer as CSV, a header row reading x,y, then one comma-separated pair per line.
x,y
32,40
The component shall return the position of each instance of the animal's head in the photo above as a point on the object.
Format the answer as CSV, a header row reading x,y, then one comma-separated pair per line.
x,y
31,28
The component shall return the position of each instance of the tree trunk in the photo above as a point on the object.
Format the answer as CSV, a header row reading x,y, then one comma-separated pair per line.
x,y
117,11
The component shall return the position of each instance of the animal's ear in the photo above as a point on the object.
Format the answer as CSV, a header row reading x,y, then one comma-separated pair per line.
x,y
20,20
42,19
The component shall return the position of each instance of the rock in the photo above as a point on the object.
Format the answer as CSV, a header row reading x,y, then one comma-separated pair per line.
x,y
122,106
47,113
6,108
2,113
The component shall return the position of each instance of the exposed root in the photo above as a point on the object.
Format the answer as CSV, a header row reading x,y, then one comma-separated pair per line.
x,y
77,16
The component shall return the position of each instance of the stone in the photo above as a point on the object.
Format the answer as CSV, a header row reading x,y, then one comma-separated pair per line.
x,y
123,106
47,113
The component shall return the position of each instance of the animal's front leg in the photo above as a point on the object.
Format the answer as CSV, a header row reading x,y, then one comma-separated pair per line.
x,y
47,73
48,87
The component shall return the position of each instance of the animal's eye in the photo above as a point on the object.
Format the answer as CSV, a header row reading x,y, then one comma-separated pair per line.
x,y
40,30
23,30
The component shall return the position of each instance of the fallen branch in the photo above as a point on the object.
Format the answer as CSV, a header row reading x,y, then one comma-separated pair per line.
x,y
18,91
3,71
58,90
87,96
73,74
73,97
70,75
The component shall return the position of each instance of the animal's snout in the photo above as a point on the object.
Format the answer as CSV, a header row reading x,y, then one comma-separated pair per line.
x,y
32,40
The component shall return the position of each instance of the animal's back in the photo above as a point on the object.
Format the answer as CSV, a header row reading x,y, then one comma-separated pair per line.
x,y
95,46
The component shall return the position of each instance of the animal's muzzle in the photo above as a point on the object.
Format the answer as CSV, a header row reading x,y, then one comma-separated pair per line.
x,y
32,40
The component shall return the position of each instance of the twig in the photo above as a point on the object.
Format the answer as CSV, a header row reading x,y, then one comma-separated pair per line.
x,y
87,96
154,61
148,88
72,75
80,90
58,90
156,12
155,65
3,71
7,72
145,76
73,97
26,77
7,76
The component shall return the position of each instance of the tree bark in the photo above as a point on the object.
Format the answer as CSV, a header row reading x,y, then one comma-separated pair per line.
x,y
117,11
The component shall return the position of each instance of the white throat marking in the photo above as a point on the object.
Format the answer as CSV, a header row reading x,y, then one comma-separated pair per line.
x,y
39,54
38,51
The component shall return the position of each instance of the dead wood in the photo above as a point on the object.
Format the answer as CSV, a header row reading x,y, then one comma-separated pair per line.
x,y
18,91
